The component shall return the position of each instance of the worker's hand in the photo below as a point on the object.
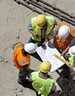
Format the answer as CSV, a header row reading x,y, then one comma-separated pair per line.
x,y
65,51
43,46
58,56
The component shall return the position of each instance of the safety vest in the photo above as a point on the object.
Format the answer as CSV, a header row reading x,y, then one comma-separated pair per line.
x,y
36,28
19,59
42,86
72,60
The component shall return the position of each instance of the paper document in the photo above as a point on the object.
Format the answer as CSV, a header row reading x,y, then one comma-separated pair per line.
x,y
48,54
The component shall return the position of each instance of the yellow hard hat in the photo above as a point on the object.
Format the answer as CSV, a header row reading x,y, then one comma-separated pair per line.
x,y
45,66
40,20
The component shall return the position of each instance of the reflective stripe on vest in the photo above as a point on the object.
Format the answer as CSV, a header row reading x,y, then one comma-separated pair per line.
x,y
36,28
42,86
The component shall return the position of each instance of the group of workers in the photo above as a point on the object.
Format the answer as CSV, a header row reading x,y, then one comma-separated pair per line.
x,y
44,29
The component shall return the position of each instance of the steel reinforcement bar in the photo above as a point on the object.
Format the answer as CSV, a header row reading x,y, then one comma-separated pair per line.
x,y
45,7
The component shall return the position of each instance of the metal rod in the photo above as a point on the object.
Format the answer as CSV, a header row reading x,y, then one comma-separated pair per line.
x,y
55,8
45,8
50,12
26,5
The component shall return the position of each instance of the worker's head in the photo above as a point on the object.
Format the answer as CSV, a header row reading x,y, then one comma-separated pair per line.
x,y
18,44
63,37
63,31
45,66
30,48
41,20
72,50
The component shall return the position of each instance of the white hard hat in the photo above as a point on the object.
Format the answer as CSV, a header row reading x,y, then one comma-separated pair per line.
x,y
63,31
72,50
30,47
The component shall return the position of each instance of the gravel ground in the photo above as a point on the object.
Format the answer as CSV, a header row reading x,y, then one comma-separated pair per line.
x,y
13,19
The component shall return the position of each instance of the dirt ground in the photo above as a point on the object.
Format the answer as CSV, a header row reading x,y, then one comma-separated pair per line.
x,y
13,21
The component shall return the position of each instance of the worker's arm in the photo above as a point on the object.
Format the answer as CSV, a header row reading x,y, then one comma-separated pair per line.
x,y
57,87
65,51
60,57
56,90
72,42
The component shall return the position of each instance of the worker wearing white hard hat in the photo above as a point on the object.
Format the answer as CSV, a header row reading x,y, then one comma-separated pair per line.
x,y
61,41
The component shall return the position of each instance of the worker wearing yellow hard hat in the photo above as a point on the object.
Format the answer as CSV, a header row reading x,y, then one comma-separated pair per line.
x,y
43,83
41,28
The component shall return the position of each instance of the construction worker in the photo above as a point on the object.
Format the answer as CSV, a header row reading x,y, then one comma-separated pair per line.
x,y
43,83
64,37
41,28
21,60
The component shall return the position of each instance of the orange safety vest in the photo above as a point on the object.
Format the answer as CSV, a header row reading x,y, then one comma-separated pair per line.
x,y
19,59
63,44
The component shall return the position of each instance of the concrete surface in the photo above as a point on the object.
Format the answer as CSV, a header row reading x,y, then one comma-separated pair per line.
x,y
14,18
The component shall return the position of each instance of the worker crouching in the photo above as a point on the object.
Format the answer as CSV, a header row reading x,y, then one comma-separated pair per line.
x,y
21,60
63,40
43,83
